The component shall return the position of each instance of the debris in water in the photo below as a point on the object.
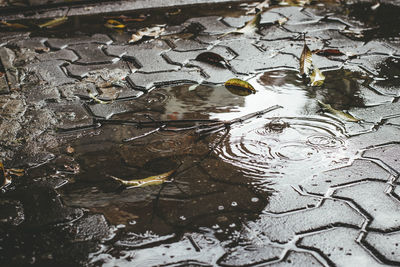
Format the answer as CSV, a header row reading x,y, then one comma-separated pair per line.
x,y
152,180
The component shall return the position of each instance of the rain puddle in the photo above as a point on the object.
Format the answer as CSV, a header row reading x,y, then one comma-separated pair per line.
x,y
223,178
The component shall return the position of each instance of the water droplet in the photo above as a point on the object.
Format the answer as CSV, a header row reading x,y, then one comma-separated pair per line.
x,y
232,225
255,199
183,218
234,204
215,226
132,222
221,208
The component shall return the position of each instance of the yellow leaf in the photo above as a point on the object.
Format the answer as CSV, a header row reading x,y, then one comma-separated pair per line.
x,y
114,24
239,87
152,180
53,23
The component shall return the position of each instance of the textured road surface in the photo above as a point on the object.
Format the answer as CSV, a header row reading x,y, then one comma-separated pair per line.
x,y
346,216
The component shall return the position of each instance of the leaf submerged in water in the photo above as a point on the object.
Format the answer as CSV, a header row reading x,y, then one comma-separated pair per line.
x,y
338,113
114,24
152,180
54,23
239,87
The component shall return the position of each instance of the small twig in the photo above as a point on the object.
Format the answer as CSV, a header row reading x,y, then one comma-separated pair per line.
x,y
143,135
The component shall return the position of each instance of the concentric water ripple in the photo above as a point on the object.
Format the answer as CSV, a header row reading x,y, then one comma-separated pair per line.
x,y
291,147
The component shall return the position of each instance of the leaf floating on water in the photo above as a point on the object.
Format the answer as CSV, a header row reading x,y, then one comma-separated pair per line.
x,y
251,26
211,58
54,23
148,31
152,180
13,25
239,87
328,52
340,114
305,61
114,24
317,78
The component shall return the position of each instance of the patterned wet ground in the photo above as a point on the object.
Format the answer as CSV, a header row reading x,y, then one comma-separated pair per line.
x,y
294,186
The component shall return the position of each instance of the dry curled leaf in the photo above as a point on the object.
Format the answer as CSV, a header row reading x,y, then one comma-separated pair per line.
x,y
114,24
239,87
305,61
152,180
338,113
54,23
316,77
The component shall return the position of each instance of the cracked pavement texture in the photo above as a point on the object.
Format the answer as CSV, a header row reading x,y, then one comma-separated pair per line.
x,y
347,215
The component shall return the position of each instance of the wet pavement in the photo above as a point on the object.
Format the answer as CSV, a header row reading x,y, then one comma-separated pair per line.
x,y
296,186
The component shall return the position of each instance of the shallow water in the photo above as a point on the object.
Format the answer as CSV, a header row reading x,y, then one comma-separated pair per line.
x,y
223,179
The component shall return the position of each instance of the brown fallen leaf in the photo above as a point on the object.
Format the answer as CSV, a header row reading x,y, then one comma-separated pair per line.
x,y
211,58
13,25
305,61
328,52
